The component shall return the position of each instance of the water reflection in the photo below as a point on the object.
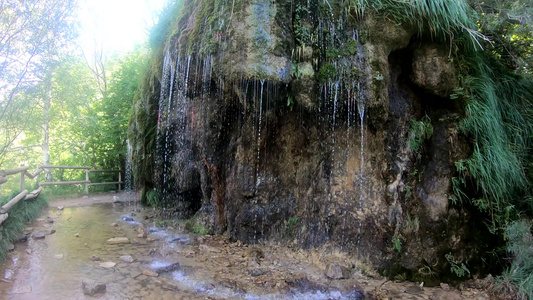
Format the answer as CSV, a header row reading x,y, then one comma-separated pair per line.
x,y
79,250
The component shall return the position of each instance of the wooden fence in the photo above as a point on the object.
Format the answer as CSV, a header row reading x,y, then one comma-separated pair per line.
x,y
25,195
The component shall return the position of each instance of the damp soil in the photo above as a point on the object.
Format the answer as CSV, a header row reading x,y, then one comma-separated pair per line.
x,y
172,263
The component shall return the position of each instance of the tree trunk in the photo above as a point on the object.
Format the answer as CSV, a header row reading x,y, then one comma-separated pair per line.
x,y
47,101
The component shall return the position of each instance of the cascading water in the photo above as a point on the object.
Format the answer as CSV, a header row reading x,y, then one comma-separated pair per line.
x,y
128,180
195,78
361,111
258,178
162,122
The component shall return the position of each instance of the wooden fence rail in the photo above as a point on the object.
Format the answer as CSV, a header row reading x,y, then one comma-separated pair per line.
x,y
25,195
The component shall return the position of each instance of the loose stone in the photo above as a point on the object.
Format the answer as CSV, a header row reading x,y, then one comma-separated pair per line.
x,y
336,271
118,240
91,287
127,258
38,235
107,264
150,273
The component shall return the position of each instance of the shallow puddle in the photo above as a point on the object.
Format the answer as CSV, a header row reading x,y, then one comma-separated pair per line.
x,y
160,263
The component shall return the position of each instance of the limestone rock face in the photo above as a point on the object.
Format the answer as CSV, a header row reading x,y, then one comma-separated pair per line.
x,y
271,122
433,71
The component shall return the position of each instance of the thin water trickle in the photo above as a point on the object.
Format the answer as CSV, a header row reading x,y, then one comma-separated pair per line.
x,y
360,103
258,178
187,73
335,86
128,180
257,163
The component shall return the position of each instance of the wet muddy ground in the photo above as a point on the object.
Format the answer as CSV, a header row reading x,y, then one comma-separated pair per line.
x,y
92,240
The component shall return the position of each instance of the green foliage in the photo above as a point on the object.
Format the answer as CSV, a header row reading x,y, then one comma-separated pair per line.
x,y
143,123
349,48
292,222
508,24
115,109
518,278
408,193
154,199
296,73
396,243
19,215
411,225
193,226
456,267
211,20
442,18
500,120
302,32
419,132
327,72
161,31
86,127
332,54
31,35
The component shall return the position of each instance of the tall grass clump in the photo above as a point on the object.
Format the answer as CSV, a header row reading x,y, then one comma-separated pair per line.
x,y
517,280
499,118
19,215
443,19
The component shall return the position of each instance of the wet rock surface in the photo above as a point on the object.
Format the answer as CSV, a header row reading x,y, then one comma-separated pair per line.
x,y
336,271
209,267
91,287
118,240
38,235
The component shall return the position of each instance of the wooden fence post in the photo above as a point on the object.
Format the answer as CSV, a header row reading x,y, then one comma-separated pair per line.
x,y
119,180
87,179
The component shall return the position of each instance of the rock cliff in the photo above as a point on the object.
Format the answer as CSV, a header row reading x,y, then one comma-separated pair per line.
x,y
308,123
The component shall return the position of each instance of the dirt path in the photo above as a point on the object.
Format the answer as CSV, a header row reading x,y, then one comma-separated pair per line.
x,y
171,263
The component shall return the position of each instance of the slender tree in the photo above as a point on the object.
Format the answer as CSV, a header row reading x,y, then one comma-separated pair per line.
x,y
31,33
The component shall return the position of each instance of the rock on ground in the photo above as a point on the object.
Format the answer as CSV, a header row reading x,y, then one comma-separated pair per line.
x,y
167,268
118,240
336,271
38,235
150,273
107,264
91,287
127,258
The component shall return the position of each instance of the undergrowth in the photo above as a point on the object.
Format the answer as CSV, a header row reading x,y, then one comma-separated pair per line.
x,y
500,121
517,280
19,215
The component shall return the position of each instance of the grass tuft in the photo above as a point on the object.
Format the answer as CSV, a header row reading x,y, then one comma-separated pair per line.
x,y
517,280
500,121
444,19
